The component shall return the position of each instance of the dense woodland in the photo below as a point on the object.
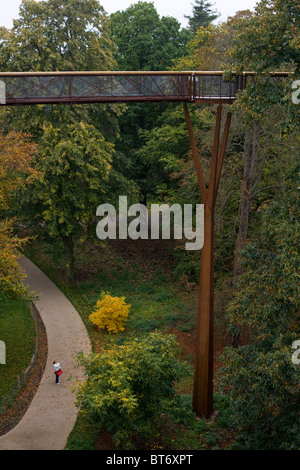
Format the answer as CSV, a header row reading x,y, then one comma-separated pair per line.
x,y
58,163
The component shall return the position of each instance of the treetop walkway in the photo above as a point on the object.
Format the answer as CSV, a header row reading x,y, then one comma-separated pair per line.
x,y
21,88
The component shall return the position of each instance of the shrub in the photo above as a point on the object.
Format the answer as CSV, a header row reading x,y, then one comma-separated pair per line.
x,y
111,313
130,385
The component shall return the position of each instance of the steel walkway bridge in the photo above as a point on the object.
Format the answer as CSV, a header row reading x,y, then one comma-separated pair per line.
x,y
28,88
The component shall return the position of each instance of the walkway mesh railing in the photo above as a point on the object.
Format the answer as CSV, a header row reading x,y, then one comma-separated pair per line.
x,y
18,88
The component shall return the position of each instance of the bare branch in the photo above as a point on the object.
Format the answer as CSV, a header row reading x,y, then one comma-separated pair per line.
x,y
264,189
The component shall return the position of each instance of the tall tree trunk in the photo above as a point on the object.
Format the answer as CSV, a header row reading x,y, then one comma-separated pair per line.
x,y
251,149
250,181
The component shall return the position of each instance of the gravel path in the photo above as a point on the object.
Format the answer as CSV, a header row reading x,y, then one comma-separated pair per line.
x,y
52,413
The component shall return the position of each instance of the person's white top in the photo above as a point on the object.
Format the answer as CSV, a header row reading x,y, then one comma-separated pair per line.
x,y
57,366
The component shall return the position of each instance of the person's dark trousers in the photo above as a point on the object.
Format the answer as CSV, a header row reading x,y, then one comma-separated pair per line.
x,y
57,378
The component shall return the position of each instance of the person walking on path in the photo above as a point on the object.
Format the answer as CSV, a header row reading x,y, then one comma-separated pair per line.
x,y
56,370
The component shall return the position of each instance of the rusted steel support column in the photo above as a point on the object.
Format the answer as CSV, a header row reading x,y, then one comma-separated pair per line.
x,y
197,162
203,375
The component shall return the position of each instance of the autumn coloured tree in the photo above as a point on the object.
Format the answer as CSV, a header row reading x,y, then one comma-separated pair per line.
x,y
110,313
16,171
269,39
11,275
211,46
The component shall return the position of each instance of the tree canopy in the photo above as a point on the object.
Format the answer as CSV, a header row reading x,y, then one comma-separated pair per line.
x,y
72,35
260,376
64,35
265,42
74,179
146,41
269,39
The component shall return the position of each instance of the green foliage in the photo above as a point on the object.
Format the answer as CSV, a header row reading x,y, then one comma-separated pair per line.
x,y
57,35
17,330
74,174
11,275
268,299
130,385
145,41
75,151
161,149
64,35
260,377
268,41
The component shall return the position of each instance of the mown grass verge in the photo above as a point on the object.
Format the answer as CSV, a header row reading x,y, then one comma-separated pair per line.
x,y
17,330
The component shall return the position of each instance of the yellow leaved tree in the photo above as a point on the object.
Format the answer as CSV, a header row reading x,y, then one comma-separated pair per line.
x,y
110,313
16,171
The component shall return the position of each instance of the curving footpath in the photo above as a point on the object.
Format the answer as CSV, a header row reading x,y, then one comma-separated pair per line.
x,y
52,412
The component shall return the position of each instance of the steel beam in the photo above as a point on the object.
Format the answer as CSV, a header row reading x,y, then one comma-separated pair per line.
x,y
204,351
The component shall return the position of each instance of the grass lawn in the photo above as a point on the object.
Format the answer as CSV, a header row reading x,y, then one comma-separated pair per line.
x,y
17,330
142,275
